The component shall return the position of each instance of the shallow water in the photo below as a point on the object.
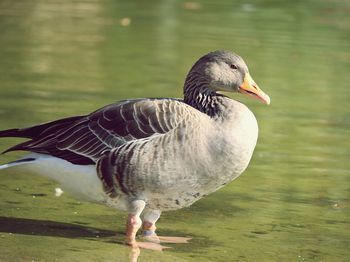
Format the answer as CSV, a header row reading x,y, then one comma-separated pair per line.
x,y
292,204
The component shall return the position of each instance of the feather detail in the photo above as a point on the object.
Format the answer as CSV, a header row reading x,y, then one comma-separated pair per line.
x,y
82,139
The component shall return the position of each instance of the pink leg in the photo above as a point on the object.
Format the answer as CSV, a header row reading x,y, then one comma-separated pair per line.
x,y
134,223
132,226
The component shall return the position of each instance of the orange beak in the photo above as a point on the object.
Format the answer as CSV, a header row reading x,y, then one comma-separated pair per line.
x,y
250,88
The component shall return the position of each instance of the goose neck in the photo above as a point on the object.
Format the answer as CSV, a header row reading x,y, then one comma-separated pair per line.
x,y
198,94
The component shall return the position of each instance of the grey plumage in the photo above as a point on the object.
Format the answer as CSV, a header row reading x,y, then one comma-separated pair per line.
x,y
168,153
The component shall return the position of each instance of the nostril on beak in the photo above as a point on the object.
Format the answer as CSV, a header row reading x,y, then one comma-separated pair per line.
x,y
255,87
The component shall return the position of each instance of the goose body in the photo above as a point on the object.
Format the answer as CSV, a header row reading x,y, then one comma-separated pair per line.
x,y
152,155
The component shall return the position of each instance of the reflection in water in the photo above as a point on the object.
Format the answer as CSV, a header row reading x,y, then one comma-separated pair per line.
x,y
134,254
64,28
31,227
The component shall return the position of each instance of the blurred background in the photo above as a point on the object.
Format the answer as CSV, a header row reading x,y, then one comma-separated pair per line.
x,y
63,58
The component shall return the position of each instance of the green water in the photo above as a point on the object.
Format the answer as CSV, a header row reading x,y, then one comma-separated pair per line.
x,y
62,58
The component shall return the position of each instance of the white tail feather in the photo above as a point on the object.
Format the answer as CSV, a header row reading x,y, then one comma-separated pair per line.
x,y
18,162
80,181
4,166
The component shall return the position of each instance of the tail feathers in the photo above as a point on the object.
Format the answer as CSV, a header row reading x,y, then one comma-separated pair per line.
x,y
43,139
42,131
21,146
35,131
18,162
16,132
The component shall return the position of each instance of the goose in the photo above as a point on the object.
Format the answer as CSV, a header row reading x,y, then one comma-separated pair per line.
x,y
150,155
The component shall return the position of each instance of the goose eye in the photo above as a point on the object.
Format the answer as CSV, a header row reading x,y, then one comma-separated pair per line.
x,y
233,66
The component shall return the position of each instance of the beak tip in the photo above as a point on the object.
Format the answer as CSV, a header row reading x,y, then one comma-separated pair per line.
x,y
249,87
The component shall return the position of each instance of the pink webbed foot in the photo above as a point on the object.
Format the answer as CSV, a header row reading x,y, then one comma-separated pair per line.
x,y
148,245
175,240
151,236
149,230
132,226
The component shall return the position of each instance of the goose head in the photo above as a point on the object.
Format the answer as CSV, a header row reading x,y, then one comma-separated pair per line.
x,y
225,71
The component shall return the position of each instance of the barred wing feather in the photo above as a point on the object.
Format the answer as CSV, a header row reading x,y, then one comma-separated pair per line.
x,y
81,140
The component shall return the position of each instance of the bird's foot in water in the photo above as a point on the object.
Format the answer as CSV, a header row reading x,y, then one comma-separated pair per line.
x,y
151,236
147,245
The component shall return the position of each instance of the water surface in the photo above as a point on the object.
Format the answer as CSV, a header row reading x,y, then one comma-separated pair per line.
x,y
62,58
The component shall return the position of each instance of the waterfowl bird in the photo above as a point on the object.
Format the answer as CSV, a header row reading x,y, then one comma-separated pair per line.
x,y
152,155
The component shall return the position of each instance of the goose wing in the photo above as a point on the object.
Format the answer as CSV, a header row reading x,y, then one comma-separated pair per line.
x,y
82,139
